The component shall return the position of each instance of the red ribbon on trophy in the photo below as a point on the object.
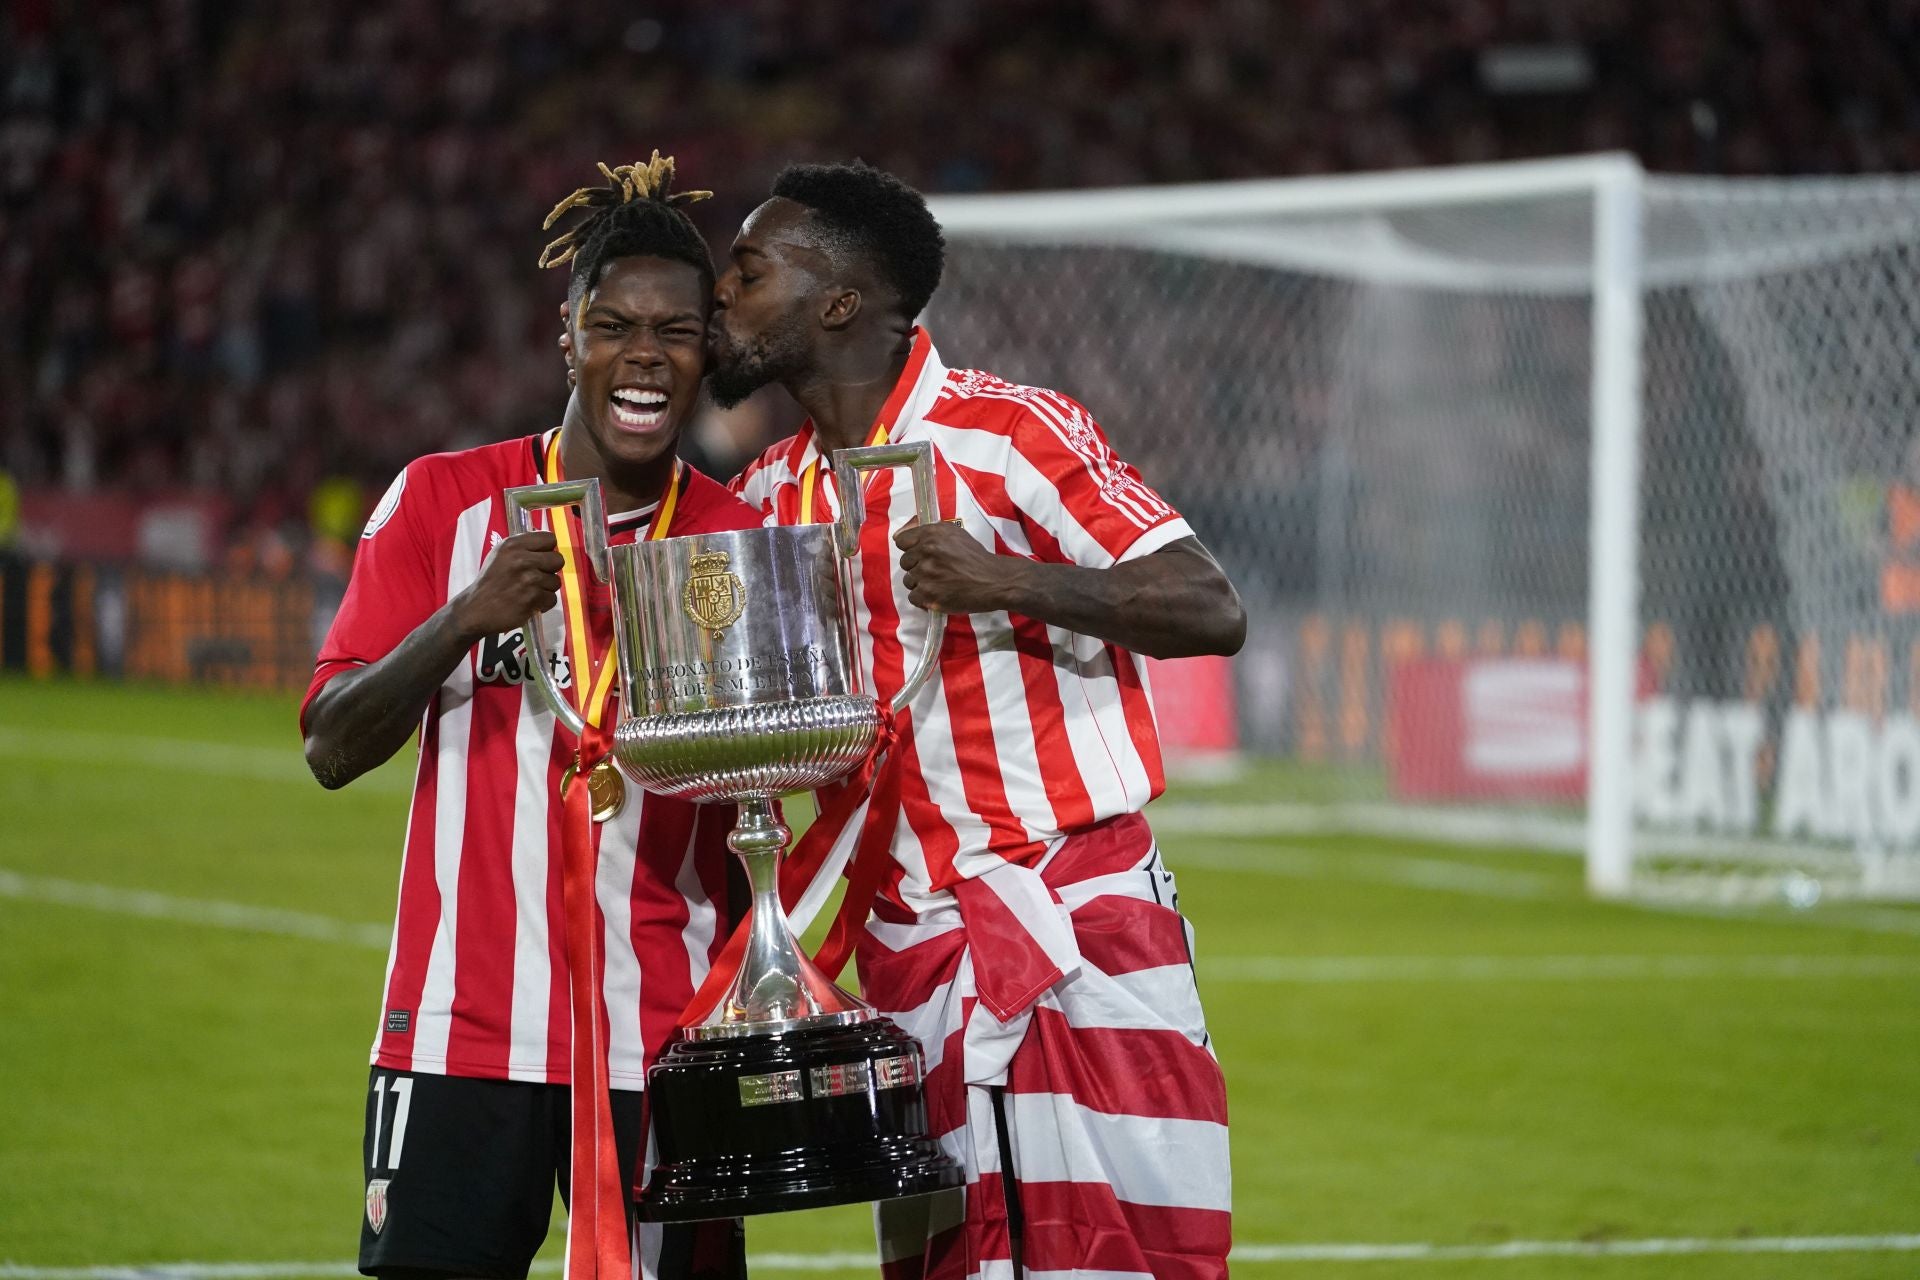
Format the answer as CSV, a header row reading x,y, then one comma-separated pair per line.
x,y
880,778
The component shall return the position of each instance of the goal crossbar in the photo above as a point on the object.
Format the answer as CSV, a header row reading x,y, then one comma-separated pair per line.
x,y
1591,229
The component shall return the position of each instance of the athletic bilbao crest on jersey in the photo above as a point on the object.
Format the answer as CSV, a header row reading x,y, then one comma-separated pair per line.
x,y
714,596
377,1203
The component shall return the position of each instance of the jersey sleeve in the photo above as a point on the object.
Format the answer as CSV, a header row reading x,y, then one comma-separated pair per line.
x,y
755,486
394,586
1067,482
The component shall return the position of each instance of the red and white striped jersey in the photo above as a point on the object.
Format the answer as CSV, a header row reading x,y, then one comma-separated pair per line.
x,y
1030,731
477,976
1113,1103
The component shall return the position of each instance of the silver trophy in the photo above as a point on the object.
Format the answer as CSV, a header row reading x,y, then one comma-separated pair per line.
x,y
740,682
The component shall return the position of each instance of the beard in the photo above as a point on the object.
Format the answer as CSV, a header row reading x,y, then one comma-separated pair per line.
x,y
741,368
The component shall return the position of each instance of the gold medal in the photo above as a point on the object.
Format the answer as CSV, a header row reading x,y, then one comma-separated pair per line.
x,y
606,790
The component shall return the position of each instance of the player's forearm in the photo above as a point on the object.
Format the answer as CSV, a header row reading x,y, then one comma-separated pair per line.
x,y
1175,603
361,717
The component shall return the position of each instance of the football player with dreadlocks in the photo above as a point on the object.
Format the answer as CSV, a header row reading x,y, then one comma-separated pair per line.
x,y
521,918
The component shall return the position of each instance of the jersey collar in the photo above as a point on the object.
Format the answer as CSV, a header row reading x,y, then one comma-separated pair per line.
x,y
899,418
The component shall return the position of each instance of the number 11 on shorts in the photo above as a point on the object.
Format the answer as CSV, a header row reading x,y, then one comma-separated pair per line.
x,y
402,1090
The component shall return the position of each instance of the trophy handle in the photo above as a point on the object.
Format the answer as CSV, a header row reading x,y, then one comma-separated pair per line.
x,y
918,455
593,521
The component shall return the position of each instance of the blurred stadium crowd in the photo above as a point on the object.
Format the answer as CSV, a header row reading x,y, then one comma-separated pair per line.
x,y
275,250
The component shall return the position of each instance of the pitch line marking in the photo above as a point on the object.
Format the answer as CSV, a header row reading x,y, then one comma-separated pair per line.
x,y
1244,1253
1230,820
205,912
1572,1249
1302,862
1305,862
1357,969
188,755
245,918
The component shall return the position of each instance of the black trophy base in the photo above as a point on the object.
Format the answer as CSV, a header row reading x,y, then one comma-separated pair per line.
x,y
799,1120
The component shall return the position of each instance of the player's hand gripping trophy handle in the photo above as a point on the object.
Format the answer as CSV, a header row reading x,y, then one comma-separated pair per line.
x,y
854,463
584,494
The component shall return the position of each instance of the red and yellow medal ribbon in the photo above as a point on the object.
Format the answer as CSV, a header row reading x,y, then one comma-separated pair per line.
x,y
599,1246
810,482
594,685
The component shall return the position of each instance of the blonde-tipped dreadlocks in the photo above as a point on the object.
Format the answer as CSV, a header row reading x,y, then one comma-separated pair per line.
x,y
627,185
636,215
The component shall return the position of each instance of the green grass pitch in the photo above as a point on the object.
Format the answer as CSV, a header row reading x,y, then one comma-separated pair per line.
x,y
1423,1043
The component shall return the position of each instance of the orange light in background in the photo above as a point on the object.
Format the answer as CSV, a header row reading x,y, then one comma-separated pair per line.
x,y
84,660
1866,675
1659,651
1806,672
1763,664
40,620
1913,679
1315,641
1356,647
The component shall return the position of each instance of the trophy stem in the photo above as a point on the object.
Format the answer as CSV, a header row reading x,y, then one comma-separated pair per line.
x,y
777,987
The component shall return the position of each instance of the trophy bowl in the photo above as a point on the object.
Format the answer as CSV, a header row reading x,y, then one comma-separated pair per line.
x,y
739,683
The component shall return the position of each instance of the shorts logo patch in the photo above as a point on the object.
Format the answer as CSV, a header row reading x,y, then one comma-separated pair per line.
x,y
398,1020
377,1203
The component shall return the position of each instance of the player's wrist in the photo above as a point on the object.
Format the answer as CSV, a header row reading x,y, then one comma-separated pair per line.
x,y
459,621
1020,589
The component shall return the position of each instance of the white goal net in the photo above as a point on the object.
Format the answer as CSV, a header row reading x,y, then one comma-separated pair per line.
x,y
1572,507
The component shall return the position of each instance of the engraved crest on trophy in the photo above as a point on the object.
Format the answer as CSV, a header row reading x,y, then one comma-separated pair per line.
x,y
714,597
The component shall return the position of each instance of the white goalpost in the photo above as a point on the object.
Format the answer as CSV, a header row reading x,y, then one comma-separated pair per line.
x,y
1569,501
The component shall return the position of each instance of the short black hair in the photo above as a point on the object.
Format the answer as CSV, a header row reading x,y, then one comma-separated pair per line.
x,y
877,216
636,215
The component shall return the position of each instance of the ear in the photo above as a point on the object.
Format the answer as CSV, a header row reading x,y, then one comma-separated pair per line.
x,y
842,306
568,322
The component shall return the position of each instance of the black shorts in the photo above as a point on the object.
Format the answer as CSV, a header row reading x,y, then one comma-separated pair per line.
x,y
460,1176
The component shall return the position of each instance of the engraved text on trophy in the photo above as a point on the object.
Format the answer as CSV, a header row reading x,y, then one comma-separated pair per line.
x,y
798,672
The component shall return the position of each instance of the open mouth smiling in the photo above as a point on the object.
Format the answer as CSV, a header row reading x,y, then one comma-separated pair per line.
x,y
638,408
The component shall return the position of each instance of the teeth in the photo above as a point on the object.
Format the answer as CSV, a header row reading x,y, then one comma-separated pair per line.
x,y
639,410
